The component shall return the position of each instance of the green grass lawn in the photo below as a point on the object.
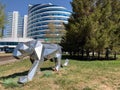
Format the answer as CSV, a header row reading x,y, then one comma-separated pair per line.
x,y
79,75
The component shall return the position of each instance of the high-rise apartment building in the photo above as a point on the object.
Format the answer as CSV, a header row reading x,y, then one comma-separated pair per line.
x,y
40,16
14,32
25,26
15,21
8,26
16,25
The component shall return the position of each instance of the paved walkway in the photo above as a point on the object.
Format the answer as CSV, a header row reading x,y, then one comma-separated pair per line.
x,y
8,58
4,59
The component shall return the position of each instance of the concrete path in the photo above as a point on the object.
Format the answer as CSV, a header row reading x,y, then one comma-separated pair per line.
x,y
4,59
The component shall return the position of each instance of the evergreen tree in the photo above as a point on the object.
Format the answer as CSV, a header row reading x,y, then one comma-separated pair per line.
x,y
115,30
93,27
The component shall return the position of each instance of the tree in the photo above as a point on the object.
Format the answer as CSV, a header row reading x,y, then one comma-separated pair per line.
x,y
115,27
93,26
55,32
2,18
50,34
81,26
109,23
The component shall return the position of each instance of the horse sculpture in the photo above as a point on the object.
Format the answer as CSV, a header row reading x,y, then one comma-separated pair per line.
x,y
38,53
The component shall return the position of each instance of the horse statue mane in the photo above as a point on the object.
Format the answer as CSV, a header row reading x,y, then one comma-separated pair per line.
x,y
38,53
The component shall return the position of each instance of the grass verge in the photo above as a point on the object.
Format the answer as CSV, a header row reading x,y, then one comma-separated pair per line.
x,y
79,75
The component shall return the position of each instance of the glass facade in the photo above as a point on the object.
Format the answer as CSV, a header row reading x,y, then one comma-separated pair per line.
x,y
20,27
41,15
8,28
8,43
7,47
14,26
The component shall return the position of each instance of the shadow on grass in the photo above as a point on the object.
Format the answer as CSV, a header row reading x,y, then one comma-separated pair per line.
x,y
47,68
24,73
85,58
14,75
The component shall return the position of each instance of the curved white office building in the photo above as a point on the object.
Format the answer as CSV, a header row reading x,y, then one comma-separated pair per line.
x,y
41,15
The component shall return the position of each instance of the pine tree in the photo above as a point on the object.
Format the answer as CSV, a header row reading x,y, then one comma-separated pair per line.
x,y
93,26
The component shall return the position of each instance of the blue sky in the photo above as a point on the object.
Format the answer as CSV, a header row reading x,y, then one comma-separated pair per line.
x,y
22,5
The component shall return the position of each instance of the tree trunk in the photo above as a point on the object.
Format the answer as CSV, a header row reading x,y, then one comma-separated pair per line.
x,y
93,54
115,56
82,52
98,55
70,53
107,53
87,53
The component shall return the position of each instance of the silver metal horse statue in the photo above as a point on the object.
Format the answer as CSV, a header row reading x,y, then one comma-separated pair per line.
x,y
38,53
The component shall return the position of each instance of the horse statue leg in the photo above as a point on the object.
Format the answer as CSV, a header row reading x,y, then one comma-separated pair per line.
x,y
57,61
35,66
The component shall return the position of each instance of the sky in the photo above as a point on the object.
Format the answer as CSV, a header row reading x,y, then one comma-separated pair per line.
x,y
22,5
